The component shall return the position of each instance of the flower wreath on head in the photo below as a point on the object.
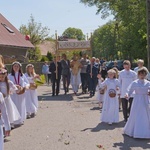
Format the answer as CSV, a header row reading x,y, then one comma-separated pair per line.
x,y
3,71
17,62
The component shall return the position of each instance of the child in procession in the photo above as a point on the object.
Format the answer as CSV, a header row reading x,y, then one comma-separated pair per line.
x,y
100,91
138,124
3,121
110,110
31,93
6,88
19,79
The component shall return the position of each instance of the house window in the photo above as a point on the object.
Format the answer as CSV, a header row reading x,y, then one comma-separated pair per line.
x,y
7,28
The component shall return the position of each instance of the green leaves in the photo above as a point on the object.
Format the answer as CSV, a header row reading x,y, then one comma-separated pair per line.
x,y
125,37
74,33
35,30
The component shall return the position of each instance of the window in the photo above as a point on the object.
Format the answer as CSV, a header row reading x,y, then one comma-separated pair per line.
x,y
7,28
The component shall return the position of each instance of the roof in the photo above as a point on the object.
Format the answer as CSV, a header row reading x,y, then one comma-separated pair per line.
x,y
47,46
10,36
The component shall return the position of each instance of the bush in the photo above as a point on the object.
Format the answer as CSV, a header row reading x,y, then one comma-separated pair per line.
x,y
49,56
44,58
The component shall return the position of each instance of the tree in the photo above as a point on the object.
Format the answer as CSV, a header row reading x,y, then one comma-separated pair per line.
x,y
130,15
34,55
74,33
37,34
35,30
49,56
103,41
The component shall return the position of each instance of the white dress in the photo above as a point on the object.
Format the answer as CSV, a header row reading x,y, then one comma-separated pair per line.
x,y
12,110
99,97
3,120
110,110
138,124
19,100
75,81
31,97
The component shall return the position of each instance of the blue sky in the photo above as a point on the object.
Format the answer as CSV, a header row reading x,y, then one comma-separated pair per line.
x,y
56,14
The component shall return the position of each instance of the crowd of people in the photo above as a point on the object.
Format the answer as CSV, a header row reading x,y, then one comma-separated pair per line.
x,y
18,97
115,89
131,88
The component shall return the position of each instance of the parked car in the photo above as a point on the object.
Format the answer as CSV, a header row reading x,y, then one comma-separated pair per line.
x,y
110,64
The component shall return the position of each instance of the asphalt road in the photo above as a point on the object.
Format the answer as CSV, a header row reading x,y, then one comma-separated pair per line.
x,y
69,122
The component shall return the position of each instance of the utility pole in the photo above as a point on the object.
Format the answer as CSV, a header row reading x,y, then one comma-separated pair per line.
x,y
148,32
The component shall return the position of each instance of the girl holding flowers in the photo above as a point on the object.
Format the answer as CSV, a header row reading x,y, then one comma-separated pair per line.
x,y
31,93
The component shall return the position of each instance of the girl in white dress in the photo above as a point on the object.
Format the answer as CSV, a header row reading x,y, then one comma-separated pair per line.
x,y
3,120
7,87
110,110
138,124
100,91
17,77
31,93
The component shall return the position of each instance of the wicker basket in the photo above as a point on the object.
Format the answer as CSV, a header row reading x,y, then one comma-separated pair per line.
x,y
21,89
33,86
101,91
112,93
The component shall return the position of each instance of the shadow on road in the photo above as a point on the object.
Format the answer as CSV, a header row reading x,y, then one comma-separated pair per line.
x,y
130,143
61,97
105,126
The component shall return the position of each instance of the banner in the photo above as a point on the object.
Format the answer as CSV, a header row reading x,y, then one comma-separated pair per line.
x,y
74,45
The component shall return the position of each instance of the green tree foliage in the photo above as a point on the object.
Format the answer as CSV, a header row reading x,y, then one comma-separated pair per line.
x,y
34,55
37,34
35,30
74,33
44,58
49,56
103,41
130,26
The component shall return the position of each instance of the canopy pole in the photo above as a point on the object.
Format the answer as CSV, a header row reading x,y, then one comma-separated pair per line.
x,y
56,54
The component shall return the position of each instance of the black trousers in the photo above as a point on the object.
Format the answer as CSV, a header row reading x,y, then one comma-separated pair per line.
x,y
84,81
49,78
92,85
55,86
66,82
126,108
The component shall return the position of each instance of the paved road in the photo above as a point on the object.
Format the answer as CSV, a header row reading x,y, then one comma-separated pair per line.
x,y
69,122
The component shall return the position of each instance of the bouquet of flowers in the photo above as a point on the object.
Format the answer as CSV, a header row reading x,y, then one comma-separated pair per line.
x,y
40,80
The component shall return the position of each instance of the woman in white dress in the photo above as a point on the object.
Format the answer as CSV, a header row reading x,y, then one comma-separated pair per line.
x,y
31,93
75,74
6,88
3,120
110,110
138,124
17,77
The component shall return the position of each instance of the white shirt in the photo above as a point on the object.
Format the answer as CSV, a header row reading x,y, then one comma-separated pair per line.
x,y
125,78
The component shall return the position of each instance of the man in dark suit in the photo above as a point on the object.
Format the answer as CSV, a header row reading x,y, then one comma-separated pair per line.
x,y
65,64
55,75
92,71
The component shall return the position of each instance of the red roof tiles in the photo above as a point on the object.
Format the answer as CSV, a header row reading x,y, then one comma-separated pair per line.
x,y
10,36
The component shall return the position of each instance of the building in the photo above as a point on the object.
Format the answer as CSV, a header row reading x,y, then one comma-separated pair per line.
x,y
13,45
